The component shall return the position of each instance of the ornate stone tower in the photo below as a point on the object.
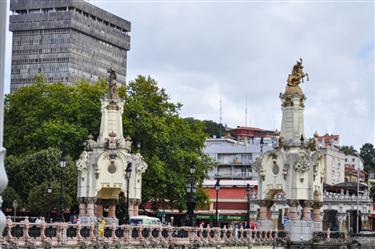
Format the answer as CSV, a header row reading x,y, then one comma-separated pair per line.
x,y
295,167
102,166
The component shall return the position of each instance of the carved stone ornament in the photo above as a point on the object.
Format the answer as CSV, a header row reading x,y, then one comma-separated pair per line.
x,y
303,164
113,106
285,170
82,161
275,168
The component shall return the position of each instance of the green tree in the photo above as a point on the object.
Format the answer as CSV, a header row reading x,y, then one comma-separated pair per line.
x,y
169,143
42,119
348,150
210,127
9,195
367,153
51,115
37,168
40,200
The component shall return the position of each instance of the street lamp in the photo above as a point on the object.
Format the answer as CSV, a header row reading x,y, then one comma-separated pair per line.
x,y
49,191
217,188
128,172
191,189
248,192
62,166
261,144
302,139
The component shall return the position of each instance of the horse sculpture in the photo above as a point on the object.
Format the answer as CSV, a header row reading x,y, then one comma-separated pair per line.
x,y
297,75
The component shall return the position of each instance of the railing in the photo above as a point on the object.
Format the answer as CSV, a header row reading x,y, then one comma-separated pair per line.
x,y
57,234
330,236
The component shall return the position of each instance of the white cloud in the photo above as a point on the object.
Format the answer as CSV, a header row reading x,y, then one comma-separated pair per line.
x,y
201,52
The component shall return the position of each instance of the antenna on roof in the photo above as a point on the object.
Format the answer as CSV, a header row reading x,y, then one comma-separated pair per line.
x,y
220,119
246,112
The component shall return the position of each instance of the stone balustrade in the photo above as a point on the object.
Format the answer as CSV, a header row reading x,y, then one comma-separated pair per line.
x,y
31,235
328,196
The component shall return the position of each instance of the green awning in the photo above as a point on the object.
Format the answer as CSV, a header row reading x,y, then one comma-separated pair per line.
x,y
221,217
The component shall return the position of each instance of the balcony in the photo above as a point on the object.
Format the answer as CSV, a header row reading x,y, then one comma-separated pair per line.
x,y
228,175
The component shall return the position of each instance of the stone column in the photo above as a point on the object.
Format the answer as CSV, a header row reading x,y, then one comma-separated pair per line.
x,y
292,212
133,207
275,218
82,209
316,211
306,205
265,222
99,210
112,209
90,206
342,221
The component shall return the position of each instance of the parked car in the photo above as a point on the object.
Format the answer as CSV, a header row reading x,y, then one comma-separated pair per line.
x,y
144,220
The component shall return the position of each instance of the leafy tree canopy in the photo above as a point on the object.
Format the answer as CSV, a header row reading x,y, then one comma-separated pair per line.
x,y
51,115
348,150
367,153
37,168
211,128
41,117
41,201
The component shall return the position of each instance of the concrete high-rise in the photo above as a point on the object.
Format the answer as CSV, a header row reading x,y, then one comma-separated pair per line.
x,y
66,40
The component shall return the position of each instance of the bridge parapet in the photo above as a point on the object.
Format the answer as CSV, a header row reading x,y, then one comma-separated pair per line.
x,y
63,234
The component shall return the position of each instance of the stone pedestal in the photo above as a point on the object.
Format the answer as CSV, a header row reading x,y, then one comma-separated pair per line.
x,y
90,209
306,205
317,217
99,210
300,230
112,211
264,222
82,209
292,212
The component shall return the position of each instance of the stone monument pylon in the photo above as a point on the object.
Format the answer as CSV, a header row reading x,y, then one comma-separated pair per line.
x,y
102,165
295,167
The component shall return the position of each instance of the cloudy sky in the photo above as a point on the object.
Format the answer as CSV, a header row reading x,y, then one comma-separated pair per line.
x,y
204,51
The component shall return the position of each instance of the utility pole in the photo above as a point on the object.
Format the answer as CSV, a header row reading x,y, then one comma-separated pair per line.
x,y
220,120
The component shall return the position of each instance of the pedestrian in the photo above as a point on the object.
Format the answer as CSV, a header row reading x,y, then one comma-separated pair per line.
x,y
38,220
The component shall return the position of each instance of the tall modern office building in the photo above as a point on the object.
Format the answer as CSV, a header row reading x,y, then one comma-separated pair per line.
x,y
66,40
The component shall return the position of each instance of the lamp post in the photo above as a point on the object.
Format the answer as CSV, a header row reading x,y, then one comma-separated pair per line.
x,y
62,166
261,144
191,189
15,205
128,172
248,192
302,139
217,188
49,191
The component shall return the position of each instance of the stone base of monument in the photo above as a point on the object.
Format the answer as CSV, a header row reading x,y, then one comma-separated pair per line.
x,y
264,225
300,230
318,226
87,220
110,221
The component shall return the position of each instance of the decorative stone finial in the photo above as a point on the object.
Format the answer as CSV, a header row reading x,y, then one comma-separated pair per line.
x,y
316,135
277,132
112,134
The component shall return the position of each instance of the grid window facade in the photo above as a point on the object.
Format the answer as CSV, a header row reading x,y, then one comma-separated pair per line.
x,y
66,41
